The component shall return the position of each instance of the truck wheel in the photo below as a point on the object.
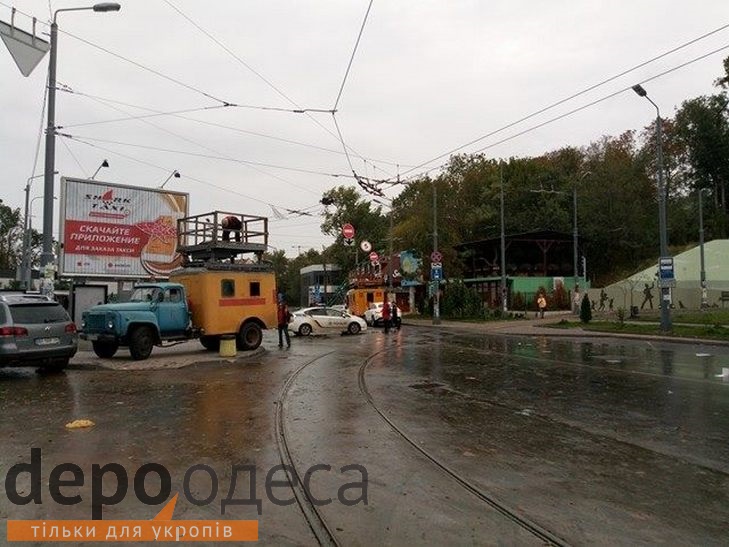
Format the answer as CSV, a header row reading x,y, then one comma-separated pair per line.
x,y
305,330
249,337
354,328
105,350
141,342
210,343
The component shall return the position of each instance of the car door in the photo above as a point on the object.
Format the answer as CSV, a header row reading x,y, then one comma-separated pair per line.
x,y
172,313
337,320
319,320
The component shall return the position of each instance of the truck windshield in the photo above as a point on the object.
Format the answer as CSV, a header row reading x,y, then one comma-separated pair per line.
x,y
145,294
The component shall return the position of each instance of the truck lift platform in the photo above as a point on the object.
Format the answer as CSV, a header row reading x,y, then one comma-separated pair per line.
x,y
204,241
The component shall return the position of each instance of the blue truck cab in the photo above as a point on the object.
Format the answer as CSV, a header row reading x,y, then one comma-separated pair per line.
x,y
156,312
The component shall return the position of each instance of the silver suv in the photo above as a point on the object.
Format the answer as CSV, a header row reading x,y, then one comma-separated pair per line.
x,y
35,331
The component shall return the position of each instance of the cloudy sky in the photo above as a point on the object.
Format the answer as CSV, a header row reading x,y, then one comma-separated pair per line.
x,y
428,77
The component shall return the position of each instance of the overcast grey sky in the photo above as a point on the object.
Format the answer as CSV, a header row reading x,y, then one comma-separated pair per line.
x,y
428,76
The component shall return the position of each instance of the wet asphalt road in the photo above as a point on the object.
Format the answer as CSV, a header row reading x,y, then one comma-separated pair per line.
x,y
466,438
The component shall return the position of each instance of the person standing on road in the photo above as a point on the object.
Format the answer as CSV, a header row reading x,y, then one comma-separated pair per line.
x,y
393,316
386,315
576,301
283,322
541,304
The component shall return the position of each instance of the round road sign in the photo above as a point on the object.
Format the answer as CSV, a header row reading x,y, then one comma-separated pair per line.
x,y
374,257
348,231
366,246
435,256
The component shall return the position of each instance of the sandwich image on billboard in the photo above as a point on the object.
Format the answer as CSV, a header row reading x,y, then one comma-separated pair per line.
x,y
114,230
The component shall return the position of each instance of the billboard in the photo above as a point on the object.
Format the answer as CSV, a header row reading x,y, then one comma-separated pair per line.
x,y
113,230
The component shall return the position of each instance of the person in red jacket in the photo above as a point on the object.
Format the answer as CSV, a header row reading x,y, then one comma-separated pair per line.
x,y
283,322
386,315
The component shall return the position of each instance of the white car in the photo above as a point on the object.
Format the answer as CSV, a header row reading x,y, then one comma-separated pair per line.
x,y
324,320
373,316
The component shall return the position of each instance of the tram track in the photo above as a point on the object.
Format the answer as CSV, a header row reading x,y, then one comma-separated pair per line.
x,y
319,527
535,529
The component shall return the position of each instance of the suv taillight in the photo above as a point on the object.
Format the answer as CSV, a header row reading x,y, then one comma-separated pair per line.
x,y
71,328
13,331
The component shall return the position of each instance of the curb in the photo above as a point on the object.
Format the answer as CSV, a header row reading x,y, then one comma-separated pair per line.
x,y
511,329
160,362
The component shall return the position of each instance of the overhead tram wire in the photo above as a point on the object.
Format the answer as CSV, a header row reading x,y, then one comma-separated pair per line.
x,y
566,99
351,58
81,167
258,74
365,183
297,110
573,111
80,138
205,147
187,176
175,114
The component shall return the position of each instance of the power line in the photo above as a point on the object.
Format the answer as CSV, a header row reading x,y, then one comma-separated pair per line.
x,y
186,139
254,71
207,156
578,109
566,99
177,114
81,167
351,59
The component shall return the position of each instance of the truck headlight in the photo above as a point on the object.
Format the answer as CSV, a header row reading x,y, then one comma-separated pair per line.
x,y
110,325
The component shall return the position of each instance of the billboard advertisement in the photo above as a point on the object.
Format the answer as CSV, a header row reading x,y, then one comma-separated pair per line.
x,y
113,230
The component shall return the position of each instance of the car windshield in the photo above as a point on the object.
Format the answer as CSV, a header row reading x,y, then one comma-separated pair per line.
x,y
30,314
145,294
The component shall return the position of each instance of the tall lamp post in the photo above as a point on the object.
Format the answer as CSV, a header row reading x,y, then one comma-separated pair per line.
x,y
436,294
48,190
575,237
25,269
104,163
702,273
665,311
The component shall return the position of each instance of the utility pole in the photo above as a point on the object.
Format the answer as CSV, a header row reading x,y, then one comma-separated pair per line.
x,y
504,298
436,295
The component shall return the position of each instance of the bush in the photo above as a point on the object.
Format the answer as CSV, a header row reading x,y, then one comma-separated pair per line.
x,y
560,298
621,316
461,302
585,310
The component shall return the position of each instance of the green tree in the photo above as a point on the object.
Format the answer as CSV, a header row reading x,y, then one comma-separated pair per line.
x,y
11,237
348,206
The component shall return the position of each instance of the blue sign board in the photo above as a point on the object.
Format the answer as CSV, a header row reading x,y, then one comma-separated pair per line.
x,y
436,273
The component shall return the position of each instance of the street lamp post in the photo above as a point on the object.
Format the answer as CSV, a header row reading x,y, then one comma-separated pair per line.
x,y
702,273
104,163
575,237
25,263
48,190
174,173
665,311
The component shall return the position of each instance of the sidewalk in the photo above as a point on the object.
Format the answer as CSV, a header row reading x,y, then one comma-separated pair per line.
x,y
539,327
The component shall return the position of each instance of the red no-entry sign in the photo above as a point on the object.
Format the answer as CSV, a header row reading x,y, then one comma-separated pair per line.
x,y
374,257
348,231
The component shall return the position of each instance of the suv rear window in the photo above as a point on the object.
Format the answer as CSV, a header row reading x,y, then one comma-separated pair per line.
x,y
39,313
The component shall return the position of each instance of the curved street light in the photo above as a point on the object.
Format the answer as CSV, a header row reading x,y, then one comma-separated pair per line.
x,y
50,163
665,311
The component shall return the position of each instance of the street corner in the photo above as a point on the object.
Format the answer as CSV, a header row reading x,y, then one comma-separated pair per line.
x,y
166,358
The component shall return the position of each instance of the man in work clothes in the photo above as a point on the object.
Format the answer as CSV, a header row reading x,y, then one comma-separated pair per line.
x,y
283,322
231,224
